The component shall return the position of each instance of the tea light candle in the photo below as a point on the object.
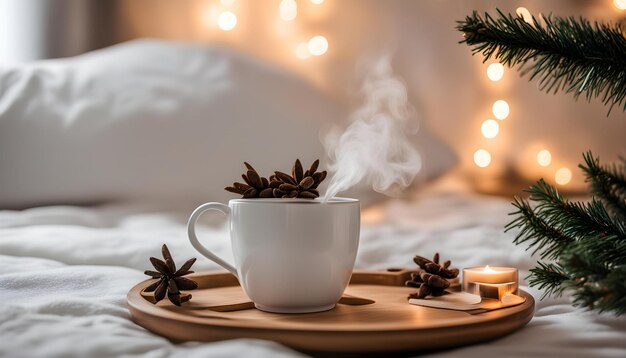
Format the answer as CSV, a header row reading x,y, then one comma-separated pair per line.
x,y
490,282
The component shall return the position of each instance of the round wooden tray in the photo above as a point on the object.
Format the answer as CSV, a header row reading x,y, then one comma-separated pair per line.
x,y
373,316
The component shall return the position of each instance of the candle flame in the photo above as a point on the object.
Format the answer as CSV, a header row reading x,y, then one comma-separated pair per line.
x,y
489,269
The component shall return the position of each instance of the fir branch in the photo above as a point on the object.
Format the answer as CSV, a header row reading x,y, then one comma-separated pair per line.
x,y
596,286
549,277
588,223
565,54
587,243
535,231
607,183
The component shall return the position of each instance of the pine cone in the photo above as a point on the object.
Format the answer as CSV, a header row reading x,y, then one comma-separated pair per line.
x,y
433,278
300,184
255,185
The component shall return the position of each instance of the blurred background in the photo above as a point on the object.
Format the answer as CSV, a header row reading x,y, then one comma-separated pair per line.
x,y
504,132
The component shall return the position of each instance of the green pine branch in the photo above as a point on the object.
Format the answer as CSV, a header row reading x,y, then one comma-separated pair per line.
x,y
536,232
584,242
555,223
550,278
608,183
563,54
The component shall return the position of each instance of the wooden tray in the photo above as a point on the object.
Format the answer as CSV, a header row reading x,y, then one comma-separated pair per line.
x,y
220,310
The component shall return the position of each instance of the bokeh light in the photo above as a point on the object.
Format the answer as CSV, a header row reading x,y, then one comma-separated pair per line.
x,y
227,21
495,71
525,14
490,128
500,109
482,158
318,45
288,10
544,157
563,176
620,4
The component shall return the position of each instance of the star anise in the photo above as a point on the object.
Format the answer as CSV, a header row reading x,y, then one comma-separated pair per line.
x,y
169,280
300,184
433,278
255,185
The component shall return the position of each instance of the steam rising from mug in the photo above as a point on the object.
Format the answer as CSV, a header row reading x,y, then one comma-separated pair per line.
x,y
375,148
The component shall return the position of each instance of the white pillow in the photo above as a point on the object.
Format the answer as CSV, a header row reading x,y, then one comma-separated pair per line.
x,y
154,120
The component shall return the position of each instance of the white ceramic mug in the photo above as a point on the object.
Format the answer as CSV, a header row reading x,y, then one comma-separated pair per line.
x,y
291,255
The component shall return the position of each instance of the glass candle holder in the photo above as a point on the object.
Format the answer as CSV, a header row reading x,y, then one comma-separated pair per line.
x,y
490,282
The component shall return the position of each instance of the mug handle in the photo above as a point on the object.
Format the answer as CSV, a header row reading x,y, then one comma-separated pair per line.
x,y
193,238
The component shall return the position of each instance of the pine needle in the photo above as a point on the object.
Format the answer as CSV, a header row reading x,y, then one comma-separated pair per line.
x,y
562,54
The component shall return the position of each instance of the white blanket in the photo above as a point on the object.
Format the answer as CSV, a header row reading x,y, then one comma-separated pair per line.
x,y
65,271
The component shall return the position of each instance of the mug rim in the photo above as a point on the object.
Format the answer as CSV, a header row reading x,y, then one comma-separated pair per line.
x,y
332,201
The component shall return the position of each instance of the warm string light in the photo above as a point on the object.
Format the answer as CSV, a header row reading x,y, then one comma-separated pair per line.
x,y
495,71
482,158
544,157
620,4
524,14
317,2
318,45
227,21
490,128
563,176
288,10
500,109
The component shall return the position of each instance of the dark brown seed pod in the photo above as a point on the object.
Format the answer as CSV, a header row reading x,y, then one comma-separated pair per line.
x,y
250,193
307,195
184,283
286,178
306,183
423,291
319,178
152,286
245,178
241,186
275,183
154,274
432,275
314,166
291,194
297,171
411,283
185,298
434,280
287,187
266,193
233,190
255,179
169,281
184,269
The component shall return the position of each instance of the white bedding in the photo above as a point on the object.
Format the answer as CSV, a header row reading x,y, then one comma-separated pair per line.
x,y
65,271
